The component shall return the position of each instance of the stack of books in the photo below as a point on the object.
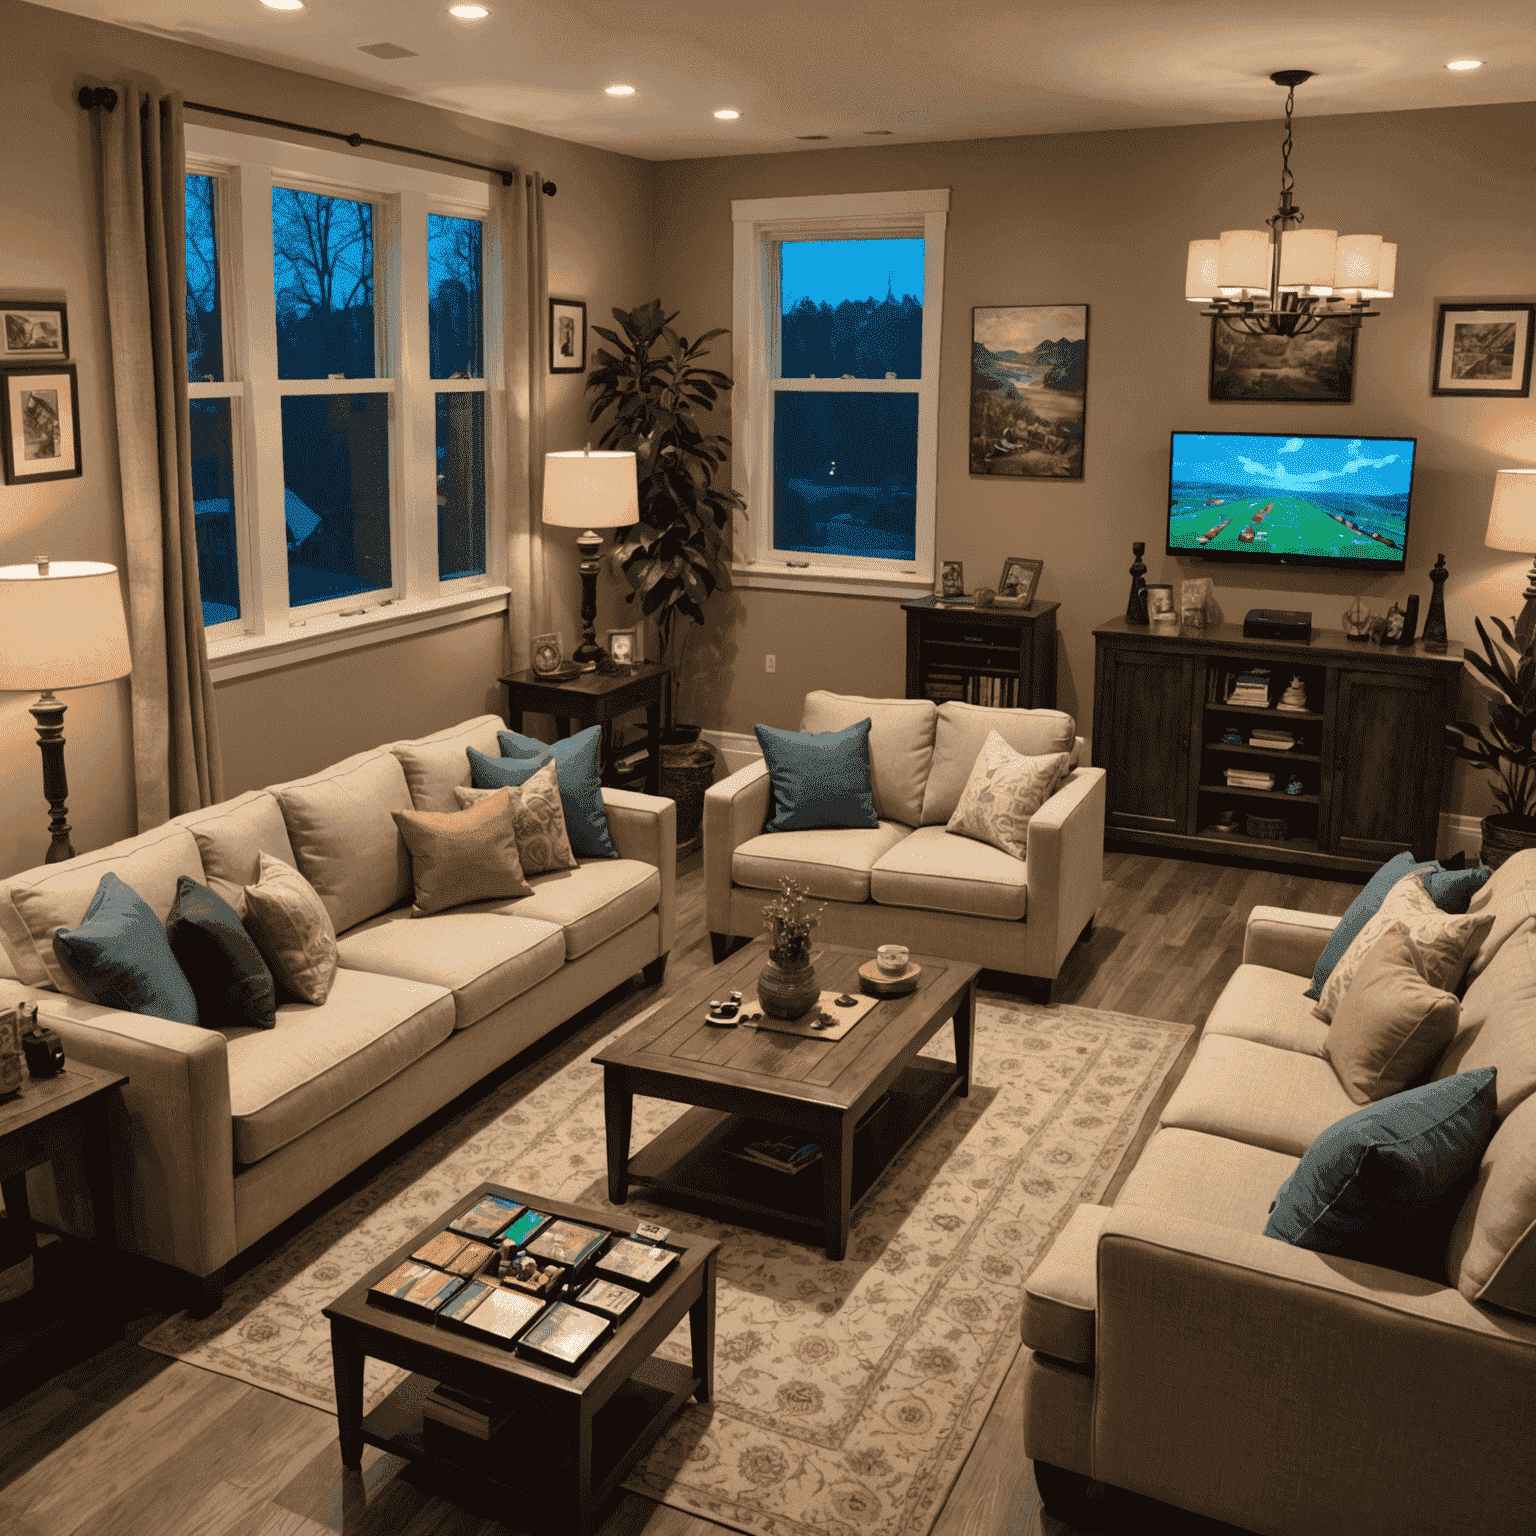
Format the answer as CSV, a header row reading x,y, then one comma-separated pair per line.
x,y
786,1155
1276,741
1248,778
459,1410
1251,687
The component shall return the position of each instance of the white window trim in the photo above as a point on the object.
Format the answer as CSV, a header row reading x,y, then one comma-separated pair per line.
x,y
757,223
268,634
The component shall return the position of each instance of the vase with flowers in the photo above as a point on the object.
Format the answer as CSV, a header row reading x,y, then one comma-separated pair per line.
x,y
788,988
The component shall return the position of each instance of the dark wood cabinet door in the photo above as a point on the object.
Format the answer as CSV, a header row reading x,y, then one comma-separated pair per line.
x,y
1141,736
1387,764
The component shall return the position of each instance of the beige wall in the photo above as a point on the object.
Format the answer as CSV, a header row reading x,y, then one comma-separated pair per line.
x,y
1104,219
288,722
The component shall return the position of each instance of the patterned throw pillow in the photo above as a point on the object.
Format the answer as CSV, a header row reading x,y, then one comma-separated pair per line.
x,y
460,856
1440,944
292,929
538,815
1004,791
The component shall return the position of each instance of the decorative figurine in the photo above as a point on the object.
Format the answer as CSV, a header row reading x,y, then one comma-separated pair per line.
x,y
1357,621
1395,618
1295,697
1293,787
1136,605
1435,639
725,1015
1232,736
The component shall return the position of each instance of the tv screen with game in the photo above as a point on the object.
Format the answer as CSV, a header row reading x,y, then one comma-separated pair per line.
x,y
1290,499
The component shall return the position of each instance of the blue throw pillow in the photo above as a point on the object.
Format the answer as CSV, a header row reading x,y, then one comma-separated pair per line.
x,y
576,772
1385,1184
820,778
118,955
219,958
1450,890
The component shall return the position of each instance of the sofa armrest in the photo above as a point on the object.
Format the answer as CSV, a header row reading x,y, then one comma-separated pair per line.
x,y
172,1132
1281,1389
644,827
1064,857
735,809
1286,941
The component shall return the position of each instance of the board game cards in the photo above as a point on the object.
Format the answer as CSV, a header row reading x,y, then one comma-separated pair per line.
x,y
563,1334
611,1300
643,1264
567,1242
486,1218
412,1285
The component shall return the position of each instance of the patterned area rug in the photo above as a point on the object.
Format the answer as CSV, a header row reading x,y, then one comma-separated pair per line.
x,y
847,1395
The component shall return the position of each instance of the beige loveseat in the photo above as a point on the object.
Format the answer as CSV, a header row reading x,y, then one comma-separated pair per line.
x,y
1179,1353
909,881
222,1133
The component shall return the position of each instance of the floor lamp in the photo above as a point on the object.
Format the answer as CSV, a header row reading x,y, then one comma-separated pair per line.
x,y
1512,526
588,490
61,626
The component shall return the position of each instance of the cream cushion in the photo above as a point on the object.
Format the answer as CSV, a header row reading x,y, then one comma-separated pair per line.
x,y
1004,791
484,959
33,908
1492,1253
936,871
1268,1007
459,856
961,730
318,1060
538,815
1060,1296
437,764
1498,1025
900,745
590,905
231,838
832,863
292,929
1509,898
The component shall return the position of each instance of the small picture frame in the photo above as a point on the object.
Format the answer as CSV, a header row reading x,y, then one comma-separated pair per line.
x,y
548,654
40,424
624,646
951,582
33,332
1160,607
567,335
1017,585
1484,349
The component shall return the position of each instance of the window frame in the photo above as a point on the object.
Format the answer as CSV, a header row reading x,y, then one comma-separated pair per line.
x,y
760,225
245,168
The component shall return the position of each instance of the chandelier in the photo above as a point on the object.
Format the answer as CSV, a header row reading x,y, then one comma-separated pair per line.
x,y
1287,282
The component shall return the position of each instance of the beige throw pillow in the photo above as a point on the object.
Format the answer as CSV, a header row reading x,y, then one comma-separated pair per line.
x,y
1004,791
1492,1253
459,856
286,917
1391,1025
538,816
1440,944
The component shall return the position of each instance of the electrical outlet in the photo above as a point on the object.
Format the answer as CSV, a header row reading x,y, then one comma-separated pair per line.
x,y
770,663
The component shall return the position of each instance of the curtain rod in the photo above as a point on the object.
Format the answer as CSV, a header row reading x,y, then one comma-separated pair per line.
x,y
105,97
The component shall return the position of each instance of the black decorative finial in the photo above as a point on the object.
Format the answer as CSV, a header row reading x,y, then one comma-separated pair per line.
x,y
1434,626
1136,606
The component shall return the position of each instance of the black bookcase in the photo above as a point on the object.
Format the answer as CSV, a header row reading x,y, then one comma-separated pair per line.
x,y
999,656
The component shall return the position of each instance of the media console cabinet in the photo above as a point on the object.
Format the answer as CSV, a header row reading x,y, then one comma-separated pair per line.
x,y
1369,750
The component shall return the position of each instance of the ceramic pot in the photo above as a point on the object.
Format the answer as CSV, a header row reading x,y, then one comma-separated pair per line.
x,y
1504,835
788,991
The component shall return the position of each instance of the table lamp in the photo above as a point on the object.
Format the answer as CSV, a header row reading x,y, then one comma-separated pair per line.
x,y
1512,526
588,490
61,626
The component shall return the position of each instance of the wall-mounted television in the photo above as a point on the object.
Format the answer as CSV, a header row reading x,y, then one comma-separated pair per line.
x,y
1285,498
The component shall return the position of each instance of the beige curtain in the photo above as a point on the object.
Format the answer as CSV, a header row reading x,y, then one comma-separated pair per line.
x,y
518,230
175,733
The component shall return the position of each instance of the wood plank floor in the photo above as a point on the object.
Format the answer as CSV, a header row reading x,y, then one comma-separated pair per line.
x,y
129,1442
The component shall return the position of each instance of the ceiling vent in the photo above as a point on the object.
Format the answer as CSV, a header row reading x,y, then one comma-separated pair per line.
x,y
389,51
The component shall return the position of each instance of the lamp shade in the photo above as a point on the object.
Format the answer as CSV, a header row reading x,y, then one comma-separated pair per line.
x,y
1242,260
1307,259
591,489
1357,263
61,625
1387,276
1512,518
1200,281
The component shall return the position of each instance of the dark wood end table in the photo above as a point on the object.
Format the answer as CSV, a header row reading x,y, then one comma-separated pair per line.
x,y
747,1082
596,698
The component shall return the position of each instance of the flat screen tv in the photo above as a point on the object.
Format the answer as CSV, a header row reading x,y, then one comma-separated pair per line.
x,y
1282,498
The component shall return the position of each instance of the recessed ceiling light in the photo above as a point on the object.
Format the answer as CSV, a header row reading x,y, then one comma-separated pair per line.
x,y
618,90
1465,64
283,5
726,113
468,12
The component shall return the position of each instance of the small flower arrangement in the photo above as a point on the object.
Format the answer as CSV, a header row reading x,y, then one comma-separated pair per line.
x,y
789,923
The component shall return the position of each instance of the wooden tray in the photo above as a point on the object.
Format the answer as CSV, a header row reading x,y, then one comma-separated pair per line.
x,y
879,983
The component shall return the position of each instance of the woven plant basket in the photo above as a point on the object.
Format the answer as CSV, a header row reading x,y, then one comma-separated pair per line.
x,y
686,772
1270,828
1504,835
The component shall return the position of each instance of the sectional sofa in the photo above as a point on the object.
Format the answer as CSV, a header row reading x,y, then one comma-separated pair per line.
x,y
223,1132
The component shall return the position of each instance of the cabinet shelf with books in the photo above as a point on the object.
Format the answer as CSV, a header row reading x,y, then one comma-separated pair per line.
x,y
1003,657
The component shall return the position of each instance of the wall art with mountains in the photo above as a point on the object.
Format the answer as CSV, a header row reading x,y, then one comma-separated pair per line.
x,y
1029,389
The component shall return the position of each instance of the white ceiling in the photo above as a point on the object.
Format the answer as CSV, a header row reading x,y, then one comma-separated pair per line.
x,y
923,69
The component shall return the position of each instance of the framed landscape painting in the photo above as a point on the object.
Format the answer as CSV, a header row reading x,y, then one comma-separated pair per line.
x,y
1317,366
1029,390
32,333
1484,349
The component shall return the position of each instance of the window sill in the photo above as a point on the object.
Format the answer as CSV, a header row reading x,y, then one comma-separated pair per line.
x,y
837,580
327,633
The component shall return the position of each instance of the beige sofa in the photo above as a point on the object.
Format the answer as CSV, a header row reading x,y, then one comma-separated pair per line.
x,y
1179,1353
909,881
222,1133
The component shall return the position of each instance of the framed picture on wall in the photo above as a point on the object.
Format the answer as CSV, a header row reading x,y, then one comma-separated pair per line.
x,y
1029,390
40,424
32,333
1484,349
1317,366
567,336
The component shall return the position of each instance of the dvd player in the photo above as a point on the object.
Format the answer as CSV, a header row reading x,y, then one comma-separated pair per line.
x,y
1277,624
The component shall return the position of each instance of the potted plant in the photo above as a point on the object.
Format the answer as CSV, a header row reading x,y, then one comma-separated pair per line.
x,y
1505,748
787,987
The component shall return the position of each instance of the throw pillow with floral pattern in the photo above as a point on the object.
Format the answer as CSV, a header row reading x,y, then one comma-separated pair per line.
x,y
538,819
1004,791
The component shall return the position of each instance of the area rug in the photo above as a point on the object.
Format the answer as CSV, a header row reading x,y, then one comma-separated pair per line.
x,y
847,1395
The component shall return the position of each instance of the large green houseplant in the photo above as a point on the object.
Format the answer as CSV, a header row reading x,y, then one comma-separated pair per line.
x,y
1504,748
674,557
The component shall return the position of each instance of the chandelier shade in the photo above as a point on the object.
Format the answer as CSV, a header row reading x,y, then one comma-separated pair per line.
x,y
1242,264
1307,259
1357,263
1386,276
1200,284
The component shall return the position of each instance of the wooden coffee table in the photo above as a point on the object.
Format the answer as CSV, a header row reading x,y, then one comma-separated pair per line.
x,y
574,1437
749,1082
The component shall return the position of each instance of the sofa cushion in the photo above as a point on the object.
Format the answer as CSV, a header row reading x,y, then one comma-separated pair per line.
x,y
1509,898
1207,1178
34,904
901,733
576,768
958,736
937,871
833,863
219,958
460,856
820,779
437,764
344,836
538,817
231,838
1061,1294
590,904
1498,1024
1257,1094
483,958
318,1060
1003,793
1267,1007
292,929
1492,1253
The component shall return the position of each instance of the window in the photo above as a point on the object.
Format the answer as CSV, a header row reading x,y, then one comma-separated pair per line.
x,y
337,346
835,412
